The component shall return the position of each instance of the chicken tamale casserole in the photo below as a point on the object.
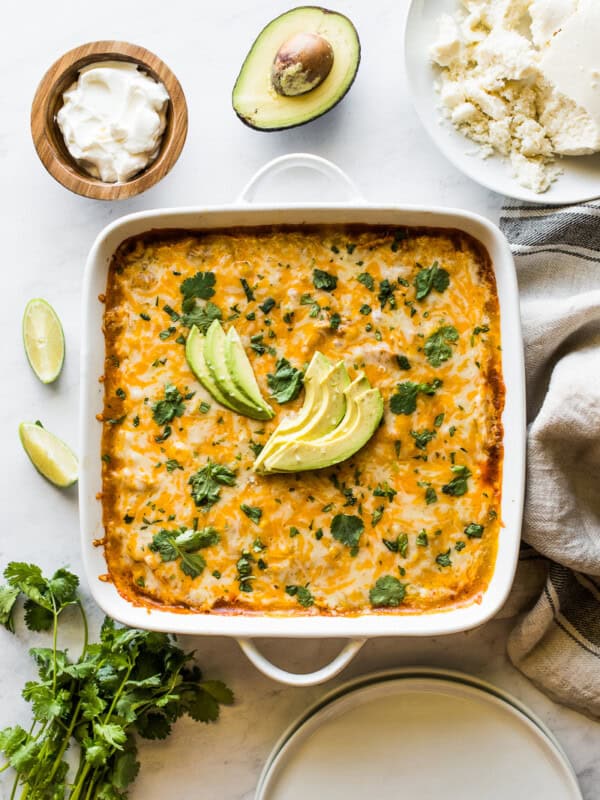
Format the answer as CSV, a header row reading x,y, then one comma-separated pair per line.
x,y
302,420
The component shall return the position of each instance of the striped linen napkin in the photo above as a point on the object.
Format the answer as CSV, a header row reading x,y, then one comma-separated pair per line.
x,y
557,253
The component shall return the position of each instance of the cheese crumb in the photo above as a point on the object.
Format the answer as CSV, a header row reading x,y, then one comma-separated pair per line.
x,y
508,80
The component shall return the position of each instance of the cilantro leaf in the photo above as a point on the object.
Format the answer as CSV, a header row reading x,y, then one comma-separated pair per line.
x,y
443,559
428,278
247,290
422,539
385,490
386,294
324,280
404,401
268,305
387,592
8,598
398,545
201,285
403,362
422,438
347,529
437,347
430,495
252,512
206,483
367,280
165,411
38,618
286,382
458,485
302,594
201,316
474,531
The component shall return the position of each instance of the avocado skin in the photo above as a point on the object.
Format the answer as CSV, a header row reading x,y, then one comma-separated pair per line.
x,y
271,129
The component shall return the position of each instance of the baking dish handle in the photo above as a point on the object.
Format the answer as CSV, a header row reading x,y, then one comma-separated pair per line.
x,y
301,161
263,664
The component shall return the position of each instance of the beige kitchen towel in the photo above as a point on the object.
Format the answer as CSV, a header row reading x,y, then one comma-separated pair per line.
x,y
557,253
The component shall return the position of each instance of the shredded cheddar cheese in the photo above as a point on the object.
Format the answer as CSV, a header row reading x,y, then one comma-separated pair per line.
x,y
420,503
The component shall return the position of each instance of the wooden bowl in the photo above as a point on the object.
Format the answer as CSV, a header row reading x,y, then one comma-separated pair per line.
x,y
48,139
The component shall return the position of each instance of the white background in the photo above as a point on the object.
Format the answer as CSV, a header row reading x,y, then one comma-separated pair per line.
x,y
45,233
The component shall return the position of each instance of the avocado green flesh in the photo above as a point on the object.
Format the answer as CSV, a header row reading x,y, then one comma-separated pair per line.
x,y
241,373
324,407
214,355
194,353
256,102
352,433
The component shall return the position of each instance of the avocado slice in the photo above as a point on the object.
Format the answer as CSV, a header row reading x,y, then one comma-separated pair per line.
x,y
214,355
241,372
299,67
363,414
194,353
324,406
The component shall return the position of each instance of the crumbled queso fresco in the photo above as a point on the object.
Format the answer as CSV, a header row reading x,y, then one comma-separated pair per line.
x,y
522,78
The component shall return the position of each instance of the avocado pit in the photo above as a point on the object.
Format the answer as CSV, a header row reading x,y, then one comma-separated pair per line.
x,y
301,64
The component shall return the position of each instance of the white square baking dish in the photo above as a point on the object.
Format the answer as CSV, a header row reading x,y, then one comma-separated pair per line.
x,y
244,628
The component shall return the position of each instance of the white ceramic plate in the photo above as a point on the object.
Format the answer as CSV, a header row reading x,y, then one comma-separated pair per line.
x,y
419,737
581,175
404,673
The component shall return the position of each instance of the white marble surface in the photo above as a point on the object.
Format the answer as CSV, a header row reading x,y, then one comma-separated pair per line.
x,y
46,233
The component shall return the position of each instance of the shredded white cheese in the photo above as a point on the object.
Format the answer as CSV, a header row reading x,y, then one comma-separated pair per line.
x,y
520,78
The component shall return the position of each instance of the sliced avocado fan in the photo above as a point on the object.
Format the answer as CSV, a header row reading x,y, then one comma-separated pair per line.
x,y
327,442
299,67
222,367
323,408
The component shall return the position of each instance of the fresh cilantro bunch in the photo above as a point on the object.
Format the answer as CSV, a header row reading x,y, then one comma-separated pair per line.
x,y
130,683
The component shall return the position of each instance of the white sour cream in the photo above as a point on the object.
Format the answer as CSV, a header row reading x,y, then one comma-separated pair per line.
x,y
112,120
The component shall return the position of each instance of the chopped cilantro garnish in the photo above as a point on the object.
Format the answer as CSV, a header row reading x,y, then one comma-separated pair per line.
x,y
386,294
286,382
334,321
367,280
204,407
422,438
244,571
398,545
376,515
268,305
200,285
182,544
437,346
294,532
460,545
405,399
301,593
145,317
324,280
252,512
172,464
443,559
474,531
403,362
438,420
458,485
365,309
201,316
385,490
247,290
430,495
428,278
422,539
347,529
206,483
388,591
164,411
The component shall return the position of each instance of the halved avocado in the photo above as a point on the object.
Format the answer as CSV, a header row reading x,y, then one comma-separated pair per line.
x,y
194,353
214,355
324,406
300,66
241,372
364,410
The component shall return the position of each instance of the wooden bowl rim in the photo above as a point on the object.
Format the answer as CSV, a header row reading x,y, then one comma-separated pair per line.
x,y
64,169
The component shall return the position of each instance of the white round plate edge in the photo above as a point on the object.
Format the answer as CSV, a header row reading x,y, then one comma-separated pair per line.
x,y
580,180
334,702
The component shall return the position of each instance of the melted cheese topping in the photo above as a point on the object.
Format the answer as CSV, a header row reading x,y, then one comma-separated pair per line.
x,y
141,496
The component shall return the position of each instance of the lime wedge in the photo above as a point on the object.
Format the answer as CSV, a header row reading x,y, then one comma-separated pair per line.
x,y
43,339
49,455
